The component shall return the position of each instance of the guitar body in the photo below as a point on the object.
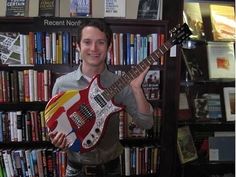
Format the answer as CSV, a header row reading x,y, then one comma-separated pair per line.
x,y
80,115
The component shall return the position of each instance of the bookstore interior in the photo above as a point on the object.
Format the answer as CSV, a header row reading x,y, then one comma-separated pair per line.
x,y
189,48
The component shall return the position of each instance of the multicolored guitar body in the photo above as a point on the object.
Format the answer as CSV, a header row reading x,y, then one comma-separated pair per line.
x,y
83,115
80,115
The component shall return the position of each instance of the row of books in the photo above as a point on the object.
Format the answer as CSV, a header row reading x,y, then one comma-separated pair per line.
x,y
18,126
25,85
35,48
129,129
32,162
60,48
129,48
140,160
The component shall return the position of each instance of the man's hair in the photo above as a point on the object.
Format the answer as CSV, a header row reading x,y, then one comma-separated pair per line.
x,y
97,23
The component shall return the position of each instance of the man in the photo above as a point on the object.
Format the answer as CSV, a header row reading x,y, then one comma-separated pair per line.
x,y
94,41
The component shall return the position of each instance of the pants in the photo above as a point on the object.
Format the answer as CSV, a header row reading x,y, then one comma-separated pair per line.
x,y
107,170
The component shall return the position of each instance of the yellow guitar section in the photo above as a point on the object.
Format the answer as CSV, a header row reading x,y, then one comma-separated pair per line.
x,y
54,105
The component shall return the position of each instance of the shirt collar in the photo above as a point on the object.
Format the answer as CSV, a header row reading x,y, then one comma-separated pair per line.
x,y
79,74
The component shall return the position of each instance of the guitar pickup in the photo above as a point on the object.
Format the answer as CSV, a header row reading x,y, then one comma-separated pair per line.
x,y
100,100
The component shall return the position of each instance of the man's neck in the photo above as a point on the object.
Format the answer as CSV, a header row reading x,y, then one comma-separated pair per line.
x,y
92,71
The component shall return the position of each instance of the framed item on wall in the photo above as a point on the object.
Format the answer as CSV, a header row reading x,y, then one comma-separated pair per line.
x,y
229,98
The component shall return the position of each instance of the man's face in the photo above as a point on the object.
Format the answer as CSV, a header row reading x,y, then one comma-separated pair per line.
x,y
93,46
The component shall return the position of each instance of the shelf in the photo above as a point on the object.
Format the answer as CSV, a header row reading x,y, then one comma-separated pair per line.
x,y
23,106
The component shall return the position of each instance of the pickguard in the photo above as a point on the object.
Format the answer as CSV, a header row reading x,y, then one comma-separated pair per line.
x,y
101,114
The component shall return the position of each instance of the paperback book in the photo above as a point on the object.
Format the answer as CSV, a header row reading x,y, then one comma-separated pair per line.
x,y
114,8
10,48
151,85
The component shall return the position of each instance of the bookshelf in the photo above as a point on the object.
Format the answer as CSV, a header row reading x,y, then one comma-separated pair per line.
x,y
208,123
163,142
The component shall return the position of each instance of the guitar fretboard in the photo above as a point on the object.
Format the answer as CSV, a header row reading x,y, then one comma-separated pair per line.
x,y
125,79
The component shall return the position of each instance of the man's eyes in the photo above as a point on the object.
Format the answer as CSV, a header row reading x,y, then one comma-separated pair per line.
x,y
100,42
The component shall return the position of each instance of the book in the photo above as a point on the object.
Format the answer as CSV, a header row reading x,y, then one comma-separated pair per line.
x,y
223,22
229,102
184,112
10,48
221,60
47,7
208,106
222,148
151,85
194,56
186,148
149,9
114,8
193,17
17,8
80,8
133,130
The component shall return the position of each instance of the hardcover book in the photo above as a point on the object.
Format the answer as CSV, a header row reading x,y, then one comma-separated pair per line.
x,y
194,56
185,145
193,17
17,8
150,9
47,7
221,60
223,22
80,8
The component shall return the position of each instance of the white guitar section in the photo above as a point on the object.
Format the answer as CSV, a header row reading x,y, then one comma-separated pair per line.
x,y
101,114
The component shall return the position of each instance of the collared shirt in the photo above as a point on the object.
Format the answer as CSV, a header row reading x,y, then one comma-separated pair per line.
x,y
109,147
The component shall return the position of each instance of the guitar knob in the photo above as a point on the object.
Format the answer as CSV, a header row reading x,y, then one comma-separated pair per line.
x,y
97,130
89,142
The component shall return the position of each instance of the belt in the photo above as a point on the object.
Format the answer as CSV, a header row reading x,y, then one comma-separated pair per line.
x,y
97,169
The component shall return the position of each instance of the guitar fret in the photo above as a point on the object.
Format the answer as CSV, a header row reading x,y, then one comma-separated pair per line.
x,y
165,47
161,51
152,58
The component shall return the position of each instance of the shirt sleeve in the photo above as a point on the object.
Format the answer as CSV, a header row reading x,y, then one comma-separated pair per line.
x,y
127,99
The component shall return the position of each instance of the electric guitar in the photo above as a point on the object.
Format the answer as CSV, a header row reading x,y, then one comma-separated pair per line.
x,y
82,115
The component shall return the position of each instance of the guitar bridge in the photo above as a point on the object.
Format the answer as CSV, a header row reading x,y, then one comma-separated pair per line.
x,y
99,99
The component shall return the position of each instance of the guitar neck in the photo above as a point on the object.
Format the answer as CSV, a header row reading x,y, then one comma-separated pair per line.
x,y
126,78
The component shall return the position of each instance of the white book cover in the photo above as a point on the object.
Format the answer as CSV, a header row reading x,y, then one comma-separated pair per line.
x,y
31,85
115,8
221,60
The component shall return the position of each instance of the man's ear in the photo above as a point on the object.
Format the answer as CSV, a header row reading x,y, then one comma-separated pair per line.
x,y
77,47
110,47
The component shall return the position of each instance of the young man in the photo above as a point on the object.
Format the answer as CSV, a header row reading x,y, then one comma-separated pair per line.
x,y
94,41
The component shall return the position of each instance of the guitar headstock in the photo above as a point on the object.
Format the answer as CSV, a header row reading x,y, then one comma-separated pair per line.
x,y
179,34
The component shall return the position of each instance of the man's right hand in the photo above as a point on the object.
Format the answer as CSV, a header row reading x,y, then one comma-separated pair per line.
x,y
58,140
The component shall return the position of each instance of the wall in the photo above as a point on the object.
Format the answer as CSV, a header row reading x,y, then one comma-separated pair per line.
x,y
97,8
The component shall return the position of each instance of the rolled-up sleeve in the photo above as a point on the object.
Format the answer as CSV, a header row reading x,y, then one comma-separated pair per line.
x,y
126,98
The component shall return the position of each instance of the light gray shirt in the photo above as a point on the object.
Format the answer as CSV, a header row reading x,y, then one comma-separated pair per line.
x,y
109,147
